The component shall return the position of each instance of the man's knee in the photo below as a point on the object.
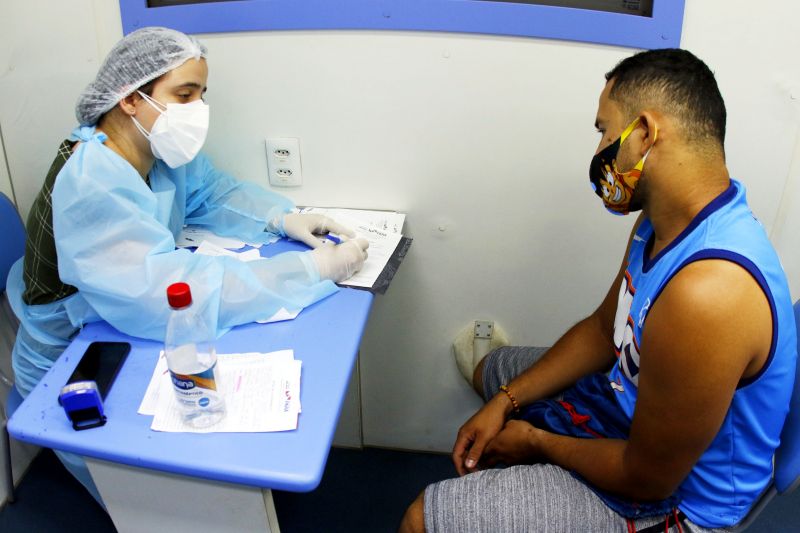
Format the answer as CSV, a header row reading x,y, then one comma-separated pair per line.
x,y
414,519
477,376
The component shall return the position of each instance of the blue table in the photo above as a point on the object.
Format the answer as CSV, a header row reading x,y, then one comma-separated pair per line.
x,y
206,482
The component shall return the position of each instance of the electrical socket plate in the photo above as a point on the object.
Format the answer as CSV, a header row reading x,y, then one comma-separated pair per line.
x,y
483,329
283,162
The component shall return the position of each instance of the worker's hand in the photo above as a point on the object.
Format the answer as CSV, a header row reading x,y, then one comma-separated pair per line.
x,y
516,444
476,433
305,228
337,263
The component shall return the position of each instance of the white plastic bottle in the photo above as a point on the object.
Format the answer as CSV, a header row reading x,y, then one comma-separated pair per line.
x,y
192,360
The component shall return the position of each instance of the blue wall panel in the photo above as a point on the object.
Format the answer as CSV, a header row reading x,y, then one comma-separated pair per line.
x,y
661,30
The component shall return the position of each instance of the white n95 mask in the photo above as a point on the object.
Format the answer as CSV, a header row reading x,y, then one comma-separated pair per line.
x,y
178,133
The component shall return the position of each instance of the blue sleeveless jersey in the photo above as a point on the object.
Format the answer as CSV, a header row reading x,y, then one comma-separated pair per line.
x,y
737,466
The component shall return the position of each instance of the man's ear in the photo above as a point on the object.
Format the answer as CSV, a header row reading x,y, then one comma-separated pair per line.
x,y
128,104
648,126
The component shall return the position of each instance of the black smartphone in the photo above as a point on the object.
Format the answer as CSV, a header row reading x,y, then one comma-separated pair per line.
x,y
101,363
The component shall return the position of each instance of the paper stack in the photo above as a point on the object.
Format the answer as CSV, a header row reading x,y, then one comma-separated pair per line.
x,y
261,390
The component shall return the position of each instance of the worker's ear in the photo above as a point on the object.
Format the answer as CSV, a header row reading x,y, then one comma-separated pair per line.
x,y
128,104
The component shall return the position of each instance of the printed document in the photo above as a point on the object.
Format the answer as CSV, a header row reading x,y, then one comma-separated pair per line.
x,y
261,391
383,231
389,221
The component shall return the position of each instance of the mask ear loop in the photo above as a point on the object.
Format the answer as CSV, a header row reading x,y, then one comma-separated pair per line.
x,y
628,130
640,165
140,128
154,104
625,134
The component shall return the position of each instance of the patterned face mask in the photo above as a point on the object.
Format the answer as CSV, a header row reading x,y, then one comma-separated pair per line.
x,y
615,187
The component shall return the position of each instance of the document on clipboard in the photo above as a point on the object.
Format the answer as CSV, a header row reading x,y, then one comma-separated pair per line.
x,y
387,245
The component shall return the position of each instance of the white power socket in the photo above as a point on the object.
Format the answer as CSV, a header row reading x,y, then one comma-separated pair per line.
x,y
283,162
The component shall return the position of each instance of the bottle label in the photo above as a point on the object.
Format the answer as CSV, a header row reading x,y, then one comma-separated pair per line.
x,y
195,389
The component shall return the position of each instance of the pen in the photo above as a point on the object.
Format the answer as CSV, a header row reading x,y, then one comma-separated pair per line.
x,y
334,239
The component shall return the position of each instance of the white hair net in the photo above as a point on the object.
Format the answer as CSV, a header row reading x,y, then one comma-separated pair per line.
x,y
137,59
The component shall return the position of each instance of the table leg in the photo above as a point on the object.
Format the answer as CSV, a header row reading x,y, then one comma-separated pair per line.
x,y
144,500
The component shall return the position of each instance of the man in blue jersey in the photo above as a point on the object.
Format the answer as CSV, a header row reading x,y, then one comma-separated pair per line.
x,y
673,393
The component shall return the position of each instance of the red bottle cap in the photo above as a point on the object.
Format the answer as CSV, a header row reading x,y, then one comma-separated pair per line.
x,y
179,295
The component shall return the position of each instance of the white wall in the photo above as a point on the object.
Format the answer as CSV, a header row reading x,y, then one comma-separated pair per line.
x,y
784,234
49,51
5,179
486,137
752,51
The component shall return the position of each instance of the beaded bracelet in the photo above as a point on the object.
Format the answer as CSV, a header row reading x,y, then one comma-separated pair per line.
x,y
514,402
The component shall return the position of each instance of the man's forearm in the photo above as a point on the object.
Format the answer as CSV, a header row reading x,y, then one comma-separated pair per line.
x,y
603,463
584,349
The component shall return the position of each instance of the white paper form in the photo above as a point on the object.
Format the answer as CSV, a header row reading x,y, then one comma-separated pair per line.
x,y
261,391
150,400
280,315
383,230
382,244
160,378
389,221
209,248
192,236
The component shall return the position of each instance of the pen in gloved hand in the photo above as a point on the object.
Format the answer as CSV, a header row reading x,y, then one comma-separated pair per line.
x,y
332,237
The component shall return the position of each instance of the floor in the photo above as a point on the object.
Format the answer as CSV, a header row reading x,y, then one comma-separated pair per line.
x,y
361,491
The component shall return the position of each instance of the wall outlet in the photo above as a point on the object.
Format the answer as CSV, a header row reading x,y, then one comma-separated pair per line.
x,y
483,329
283,162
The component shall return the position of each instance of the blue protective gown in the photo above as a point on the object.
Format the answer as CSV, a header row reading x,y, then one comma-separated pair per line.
x,y
115,239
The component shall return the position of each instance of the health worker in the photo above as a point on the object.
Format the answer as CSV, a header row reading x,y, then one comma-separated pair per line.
x,y
102,231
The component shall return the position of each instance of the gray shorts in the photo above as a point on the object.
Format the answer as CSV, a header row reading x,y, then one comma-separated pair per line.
x,y
504,364
538,498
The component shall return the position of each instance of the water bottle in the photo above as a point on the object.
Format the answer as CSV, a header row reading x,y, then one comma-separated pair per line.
x,y
192,360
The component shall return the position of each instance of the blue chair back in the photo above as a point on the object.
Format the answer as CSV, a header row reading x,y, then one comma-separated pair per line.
x,y
12,238
786,475
787,458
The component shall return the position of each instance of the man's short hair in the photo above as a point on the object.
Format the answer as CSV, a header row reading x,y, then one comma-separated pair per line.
x,y
675,82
